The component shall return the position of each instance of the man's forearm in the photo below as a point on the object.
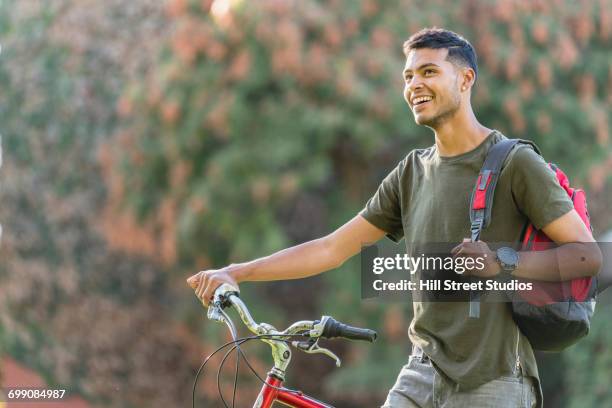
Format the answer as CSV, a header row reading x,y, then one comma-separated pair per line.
x,y
301,261
568,261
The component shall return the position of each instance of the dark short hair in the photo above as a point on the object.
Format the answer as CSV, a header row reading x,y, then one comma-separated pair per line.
x,y
460,51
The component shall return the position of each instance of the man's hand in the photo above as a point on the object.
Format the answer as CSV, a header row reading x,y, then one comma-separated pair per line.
x,y
469,249
205,282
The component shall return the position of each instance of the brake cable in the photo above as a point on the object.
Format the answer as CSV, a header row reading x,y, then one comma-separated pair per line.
x,y
237,344
234,333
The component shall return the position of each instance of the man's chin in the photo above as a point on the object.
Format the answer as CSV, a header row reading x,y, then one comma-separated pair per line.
x,y
422,120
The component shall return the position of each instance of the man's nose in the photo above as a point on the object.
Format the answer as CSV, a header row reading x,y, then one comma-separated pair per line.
x,y
415,84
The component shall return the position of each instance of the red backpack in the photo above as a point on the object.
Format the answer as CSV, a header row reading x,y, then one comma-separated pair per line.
x,y
553,315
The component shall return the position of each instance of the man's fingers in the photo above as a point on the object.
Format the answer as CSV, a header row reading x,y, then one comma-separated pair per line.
x,y
208,294
458,253
201,290
193,281
205,283
455,249
202,286
461,245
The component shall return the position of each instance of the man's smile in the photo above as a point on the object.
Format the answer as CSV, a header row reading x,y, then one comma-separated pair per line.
x,y
421,102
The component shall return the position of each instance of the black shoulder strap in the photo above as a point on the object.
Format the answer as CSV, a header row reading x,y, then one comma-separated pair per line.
x,y
481,201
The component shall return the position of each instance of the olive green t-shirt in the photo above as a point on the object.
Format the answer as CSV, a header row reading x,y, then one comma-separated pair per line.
x,y
425,199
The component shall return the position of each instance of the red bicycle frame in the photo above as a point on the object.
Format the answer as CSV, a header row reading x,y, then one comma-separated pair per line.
x,y
271,393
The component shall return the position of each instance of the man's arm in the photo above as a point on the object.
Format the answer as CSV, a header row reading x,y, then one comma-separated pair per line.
x,y
301,261
577,256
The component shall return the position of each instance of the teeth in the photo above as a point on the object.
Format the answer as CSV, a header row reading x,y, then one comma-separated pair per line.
x,y
420,99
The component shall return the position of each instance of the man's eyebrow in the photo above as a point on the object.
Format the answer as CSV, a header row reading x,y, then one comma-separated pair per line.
x,y
427,64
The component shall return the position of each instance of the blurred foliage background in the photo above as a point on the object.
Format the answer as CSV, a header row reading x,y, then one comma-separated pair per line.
x,y
144,141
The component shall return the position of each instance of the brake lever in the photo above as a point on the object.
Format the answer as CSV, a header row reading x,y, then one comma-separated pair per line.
x,y
220,299
214,313
317,328
312,347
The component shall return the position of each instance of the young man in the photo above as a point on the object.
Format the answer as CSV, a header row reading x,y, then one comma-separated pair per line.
x,y
457,361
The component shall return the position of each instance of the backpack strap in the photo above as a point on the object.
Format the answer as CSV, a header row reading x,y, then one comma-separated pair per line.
x,y
481,201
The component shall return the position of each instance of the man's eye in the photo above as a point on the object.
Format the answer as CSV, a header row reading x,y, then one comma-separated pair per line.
x,y
429,71
408,78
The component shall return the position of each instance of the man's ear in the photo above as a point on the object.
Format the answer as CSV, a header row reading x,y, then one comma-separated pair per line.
x,y
468,77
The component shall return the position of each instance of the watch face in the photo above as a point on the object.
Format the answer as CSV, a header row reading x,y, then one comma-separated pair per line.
x,y
508,257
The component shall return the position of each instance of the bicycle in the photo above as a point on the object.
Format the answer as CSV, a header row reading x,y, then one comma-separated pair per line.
x,y
280,341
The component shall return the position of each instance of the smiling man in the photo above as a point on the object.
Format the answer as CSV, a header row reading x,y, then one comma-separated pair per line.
x,y
457,361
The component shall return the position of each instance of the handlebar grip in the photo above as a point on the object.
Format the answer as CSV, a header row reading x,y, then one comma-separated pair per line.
x,y
334,328
222,295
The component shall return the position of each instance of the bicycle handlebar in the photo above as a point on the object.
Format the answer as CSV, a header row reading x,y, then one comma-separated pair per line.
x,y
327,327
334,328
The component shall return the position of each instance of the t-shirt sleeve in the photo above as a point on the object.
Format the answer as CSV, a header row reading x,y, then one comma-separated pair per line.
x,y
536,189
383,210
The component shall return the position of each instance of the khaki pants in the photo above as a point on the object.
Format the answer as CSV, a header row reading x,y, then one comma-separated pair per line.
x,y
420,386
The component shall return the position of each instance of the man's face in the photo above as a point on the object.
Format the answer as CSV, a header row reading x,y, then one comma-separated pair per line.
x,y
431,86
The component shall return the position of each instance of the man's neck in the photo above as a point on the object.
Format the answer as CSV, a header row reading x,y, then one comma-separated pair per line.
x,y
459,135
